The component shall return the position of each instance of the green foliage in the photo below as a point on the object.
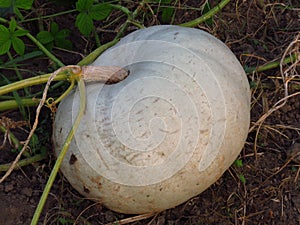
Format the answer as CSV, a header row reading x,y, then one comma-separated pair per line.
x,y
242,178
10,37
167,11
238,163
253,84
89,12
55,37
15,5
65,221
21,4
205,9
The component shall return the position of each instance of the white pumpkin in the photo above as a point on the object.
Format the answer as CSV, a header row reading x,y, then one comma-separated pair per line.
x,y
165,133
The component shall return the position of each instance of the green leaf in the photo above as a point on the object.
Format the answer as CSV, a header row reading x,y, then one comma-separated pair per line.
x,y
167,14
238,163
45,37
5,3
100,11
4,33
17,11
63,43
84,23
18,45
5,46
19,33
33,143
242,178
49,45
54,28
62,34
83,5
24,4
12,25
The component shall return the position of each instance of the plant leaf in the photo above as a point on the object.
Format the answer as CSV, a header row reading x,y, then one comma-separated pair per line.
x,y
24,4
62,34
5,46
83,5
19,33
63,43
167,14
242,178
4,33
18,45
100,11
238,163
84,23
12,25
5,3
49,45
45,37
54,28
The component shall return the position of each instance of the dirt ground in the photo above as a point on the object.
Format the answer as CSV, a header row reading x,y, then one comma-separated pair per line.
x,y
257,32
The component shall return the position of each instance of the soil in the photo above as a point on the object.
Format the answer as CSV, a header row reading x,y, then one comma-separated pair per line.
x,y
265,189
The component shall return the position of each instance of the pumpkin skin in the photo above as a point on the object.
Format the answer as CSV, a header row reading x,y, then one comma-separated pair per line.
x,y
165,133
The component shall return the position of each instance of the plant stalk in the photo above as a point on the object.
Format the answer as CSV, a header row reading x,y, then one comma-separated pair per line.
x,y
23,162
30,82
62,154
207,15
271,65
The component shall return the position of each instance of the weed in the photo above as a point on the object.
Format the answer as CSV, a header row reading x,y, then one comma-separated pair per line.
x,y
12,6
239,164
55,37
10,37
88,11
167,10
65,221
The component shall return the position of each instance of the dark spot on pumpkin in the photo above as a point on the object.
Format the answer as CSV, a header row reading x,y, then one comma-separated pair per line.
x,y
86,190
73,159
175,35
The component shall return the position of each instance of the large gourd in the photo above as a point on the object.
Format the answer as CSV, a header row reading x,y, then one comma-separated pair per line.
x,y
165,133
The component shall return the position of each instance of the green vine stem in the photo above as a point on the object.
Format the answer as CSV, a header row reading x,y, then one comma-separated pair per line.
x,y
13,104
272,65
70,88
31,82
61,155
24,162
207,15
94,54
47,53
130,20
